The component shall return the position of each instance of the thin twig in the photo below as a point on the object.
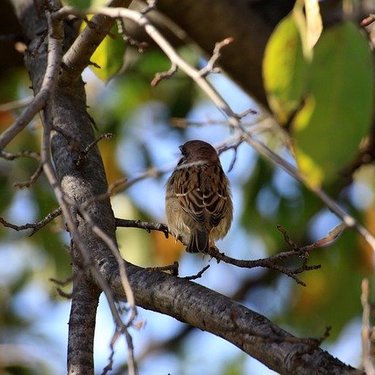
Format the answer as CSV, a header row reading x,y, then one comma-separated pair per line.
x,y
368,20
109,366
83,153
113,247
23,154
16,104
150,6
131,362
197,275
171,268
141,46
65,282
64,294
34,226
211,63
48,85
272,262
183,123
126,223
234,147
31,180
164,75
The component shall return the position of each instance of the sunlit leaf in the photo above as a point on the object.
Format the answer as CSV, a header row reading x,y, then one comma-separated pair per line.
x,y
338,111
284,69
134,244
309,22
108,58
314,22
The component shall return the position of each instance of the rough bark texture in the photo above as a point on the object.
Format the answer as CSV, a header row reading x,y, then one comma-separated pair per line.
x,y
212,312
79,184
82,319
181,299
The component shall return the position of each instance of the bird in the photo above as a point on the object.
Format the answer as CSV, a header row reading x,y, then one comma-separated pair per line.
x,y
198,201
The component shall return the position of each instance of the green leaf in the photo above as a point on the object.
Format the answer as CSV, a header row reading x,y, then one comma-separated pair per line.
x,y
108,57
79,4
284,69
338,110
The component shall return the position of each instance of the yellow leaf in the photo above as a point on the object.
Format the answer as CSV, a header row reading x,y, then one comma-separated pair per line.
x,y
284,70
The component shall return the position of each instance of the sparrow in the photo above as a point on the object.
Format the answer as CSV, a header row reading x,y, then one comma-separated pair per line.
x,y
198,201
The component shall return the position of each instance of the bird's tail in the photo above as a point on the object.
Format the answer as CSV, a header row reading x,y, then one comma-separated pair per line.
x,y
199,242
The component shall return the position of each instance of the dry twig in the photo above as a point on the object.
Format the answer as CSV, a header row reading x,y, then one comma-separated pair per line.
x,y
87,149
211,63
47,87
34,226
16,104
17,155
171,268
197,275
143,225
31,180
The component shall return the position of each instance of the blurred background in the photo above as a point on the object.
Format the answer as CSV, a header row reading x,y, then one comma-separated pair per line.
x,y
146,134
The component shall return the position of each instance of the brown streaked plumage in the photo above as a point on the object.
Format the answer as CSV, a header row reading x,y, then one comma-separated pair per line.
x,y
198,202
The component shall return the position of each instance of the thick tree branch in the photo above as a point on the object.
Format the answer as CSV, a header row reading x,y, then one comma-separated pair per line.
x,y
46,83
212,312
85,298
78,56
66,110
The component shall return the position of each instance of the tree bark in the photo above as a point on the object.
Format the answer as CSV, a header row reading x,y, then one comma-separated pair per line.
x,y
157,291
212,312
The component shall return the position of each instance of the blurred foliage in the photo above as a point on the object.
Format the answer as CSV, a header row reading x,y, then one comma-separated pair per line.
x,y
235,367
331,297
284,52
325,98
338,108
83,4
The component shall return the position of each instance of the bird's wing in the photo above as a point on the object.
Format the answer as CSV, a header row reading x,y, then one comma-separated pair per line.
x,y
189,193
203,194
215,194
